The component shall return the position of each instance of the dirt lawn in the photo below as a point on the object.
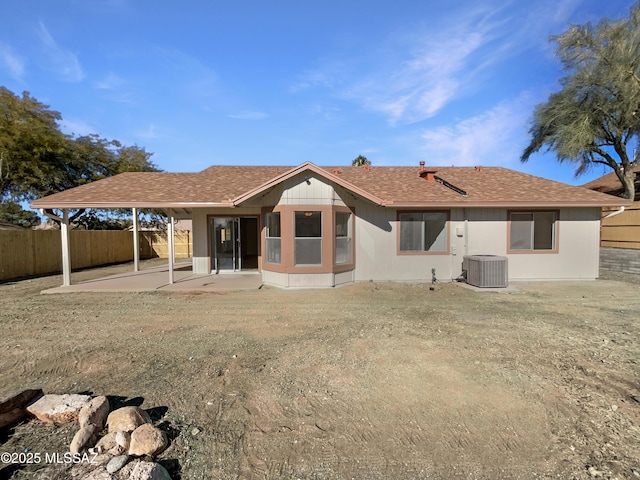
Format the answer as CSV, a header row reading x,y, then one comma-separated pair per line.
x,y
369,381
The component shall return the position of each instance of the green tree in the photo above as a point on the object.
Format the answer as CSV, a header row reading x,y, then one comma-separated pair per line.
x,y
595,117
360,160
30,145
13,213
37,159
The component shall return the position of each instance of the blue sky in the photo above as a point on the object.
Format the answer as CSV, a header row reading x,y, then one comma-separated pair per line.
x,y
280,82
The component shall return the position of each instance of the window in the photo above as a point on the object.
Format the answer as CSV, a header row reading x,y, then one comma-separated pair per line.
x,y
308,238
343,237
423,231
272,238
532,230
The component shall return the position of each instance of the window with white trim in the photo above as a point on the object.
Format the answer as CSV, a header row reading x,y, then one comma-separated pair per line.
x,y
423,231
273,241
343,238
532,230
308,238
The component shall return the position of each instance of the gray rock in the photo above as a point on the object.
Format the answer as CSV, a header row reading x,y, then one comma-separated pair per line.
x,y
116,463
140,470
99,473
58,409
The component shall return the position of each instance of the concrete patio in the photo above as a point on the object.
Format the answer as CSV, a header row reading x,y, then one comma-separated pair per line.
x,y
157,279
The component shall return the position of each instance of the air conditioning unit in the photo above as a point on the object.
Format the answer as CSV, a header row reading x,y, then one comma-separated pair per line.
x,y
487,271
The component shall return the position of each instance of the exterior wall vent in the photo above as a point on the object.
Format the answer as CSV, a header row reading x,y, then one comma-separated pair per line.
x,y
486,271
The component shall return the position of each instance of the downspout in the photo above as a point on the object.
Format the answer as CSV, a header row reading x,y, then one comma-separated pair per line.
x,y
613,214
466,232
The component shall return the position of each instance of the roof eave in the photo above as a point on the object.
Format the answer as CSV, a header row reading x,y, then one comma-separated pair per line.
x,y
107,205
502,204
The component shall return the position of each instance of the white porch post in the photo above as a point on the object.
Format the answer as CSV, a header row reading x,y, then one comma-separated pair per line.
x,y
66,250
136,246
170,237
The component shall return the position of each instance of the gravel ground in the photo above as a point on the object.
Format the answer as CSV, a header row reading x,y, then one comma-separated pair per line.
x,y
368,381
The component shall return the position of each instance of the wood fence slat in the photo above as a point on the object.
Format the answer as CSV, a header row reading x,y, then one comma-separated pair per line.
x,y
37,252
621,230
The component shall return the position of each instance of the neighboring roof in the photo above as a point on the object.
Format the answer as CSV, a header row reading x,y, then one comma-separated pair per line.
x,y
387,186
611,184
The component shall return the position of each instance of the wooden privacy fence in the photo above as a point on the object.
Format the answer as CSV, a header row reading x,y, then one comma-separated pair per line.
x,y
623,230
25,253
36,252
155,244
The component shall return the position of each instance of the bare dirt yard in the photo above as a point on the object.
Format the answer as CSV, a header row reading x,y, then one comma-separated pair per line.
x,y
369,381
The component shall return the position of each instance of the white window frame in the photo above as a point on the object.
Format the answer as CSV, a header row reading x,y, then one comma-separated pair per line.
x,y
299,241
273,243
346,237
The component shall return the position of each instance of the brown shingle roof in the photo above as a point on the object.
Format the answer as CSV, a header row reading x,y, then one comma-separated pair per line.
x,y
393,186
155,189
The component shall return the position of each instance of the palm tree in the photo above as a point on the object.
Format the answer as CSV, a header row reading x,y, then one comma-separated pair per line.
x,y
360,160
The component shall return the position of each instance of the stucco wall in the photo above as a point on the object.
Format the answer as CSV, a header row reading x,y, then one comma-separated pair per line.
x,y
201,248
471,231
578,255
484,232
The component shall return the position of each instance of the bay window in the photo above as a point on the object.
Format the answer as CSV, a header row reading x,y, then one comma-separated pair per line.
x,y
308,238
273,241
343,236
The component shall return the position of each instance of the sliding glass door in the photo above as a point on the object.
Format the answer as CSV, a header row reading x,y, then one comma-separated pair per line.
x,y
234,244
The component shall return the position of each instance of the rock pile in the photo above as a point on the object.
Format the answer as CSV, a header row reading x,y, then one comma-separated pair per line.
x,y
124,452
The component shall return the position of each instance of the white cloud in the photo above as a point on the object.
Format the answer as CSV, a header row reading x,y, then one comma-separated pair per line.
x,y
116,89
441,63
248,115
410,77
13,62
61,60
495,137
149,134
110,82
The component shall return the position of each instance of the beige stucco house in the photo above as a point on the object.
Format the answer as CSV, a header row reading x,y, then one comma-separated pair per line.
x,y
311,226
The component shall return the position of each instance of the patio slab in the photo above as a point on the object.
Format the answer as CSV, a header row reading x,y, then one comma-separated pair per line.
x,y
157,279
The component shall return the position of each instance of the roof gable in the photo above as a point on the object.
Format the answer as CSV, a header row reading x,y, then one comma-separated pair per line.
x,y
306,167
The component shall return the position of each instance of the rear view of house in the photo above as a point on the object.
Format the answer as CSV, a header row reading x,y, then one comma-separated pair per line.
x,y
310,226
